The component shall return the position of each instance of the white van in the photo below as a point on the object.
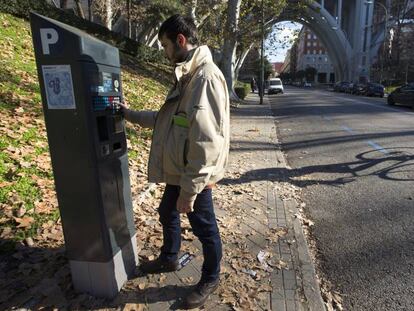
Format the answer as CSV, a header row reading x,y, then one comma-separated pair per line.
x,y
275,86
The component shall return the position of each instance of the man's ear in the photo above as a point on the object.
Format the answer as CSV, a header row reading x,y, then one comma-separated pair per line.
x,y
181,40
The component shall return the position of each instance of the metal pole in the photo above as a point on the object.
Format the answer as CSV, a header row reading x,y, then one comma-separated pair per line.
x,y
89,10
385,39
262,60
406,73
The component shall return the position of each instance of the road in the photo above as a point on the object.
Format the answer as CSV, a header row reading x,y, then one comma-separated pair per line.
x,y
353,158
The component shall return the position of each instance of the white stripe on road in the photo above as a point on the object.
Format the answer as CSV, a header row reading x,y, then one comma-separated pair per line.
x,y
327,118
370,142
348,129
377,147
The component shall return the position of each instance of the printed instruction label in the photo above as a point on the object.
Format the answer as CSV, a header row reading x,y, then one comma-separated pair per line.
x,y
59,86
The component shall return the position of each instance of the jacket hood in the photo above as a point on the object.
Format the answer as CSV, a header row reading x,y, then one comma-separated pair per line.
x,y
200,55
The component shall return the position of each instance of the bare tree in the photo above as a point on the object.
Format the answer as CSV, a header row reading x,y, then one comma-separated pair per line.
x,y
230,45
79,9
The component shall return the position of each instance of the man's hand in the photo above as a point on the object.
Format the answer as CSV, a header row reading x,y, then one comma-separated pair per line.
x,y
123,105
184,205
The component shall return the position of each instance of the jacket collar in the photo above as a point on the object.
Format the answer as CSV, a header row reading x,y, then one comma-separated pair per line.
x,y
197,57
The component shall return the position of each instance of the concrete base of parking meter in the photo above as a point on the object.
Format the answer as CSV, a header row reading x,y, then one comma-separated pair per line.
x,y
105,279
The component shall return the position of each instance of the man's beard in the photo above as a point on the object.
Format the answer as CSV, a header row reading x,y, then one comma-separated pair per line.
x,y
179,54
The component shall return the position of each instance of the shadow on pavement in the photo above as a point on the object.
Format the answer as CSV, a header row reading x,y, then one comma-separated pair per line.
x,y
397,165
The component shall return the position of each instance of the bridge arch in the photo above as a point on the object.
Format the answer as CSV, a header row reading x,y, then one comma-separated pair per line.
x,y
346,55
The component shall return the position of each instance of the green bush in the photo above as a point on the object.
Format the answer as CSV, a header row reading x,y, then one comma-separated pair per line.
x,y
242,89
240,92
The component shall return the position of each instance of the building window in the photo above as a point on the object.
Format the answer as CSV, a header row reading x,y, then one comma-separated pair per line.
x,y
314,43
320,51
308,43
326,59
309,36
314,51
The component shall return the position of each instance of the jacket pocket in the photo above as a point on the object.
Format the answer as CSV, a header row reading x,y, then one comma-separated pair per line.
x,y
176,149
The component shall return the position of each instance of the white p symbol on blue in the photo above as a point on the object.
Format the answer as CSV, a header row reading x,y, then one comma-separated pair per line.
x,y
48,36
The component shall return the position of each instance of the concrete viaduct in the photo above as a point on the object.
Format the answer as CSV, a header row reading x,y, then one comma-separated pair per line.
x,y
344,27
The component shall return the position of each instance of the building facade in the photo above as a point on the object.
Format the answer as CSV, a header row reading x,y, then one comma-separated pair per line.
x,y
312,53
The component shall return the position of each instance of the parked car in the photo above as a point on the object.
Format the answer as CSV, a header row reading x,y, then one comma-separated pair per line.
x,y
359,89
275,86
374,89
403,95
348,88
341,86
307,84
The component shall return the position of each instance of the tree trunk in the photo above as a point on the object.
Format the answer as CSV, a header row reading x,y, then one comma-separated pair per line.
x,y
90,13
63,4
154,38
203,18
129,32
230,45
79,9
191,10
108,14
241,60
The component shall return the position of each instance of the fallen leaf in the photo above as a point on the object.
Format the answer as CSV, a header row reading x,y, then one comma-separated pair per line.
x,y
25,222
133,307
141,286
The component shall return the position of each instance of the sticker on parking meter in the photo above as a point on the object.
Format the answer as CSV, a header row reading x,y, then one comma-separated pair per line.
x,y
59,86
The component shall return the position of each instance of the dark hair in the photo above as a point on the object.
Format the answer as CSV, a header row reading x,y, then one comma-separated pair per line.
x,y
178,24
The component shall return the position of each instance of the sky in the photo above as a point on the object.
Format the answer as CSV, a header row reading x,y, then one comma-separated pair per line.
x,y
280,41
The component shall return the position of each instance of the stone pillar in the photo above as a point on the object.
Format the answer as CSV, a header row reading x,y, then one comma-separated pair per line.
x,y
360,63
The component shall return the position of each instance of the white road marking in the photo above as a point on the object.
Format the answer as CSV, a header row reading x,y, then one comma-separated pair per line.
x,y
327,118
348,129
377,147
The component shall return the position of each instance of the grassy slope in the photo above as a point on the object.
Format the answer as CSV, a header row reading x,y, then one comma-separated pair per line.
x,y
27,198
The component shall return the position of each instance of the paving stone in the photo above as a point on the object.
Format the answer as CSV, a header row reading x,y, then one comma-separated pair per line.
x,y
289,274
278,305
290,294
290,305
289,284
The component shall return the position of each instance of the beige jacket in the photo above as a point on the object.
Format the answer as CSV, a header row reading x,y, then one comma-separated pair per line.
x,y
190,142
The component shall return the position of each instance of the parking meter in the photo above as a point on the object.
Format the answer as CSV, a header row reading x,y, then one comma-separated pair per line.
x,y
80,83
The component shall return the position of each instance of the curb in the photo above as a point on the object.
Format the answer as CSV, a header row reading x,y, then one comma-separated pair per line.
x,y
310,283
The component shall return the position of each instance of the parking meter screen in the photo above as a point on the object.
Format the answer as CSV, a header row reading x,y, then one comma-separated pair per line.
x,y
105,82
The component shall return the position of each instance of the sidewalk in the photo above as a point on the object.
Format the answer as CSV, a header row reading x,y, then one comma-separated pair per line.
x,y
265,265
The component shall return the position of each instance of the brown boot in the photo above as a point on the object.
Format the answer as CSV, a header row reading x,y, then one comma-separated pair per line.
x,y
200,293
159,266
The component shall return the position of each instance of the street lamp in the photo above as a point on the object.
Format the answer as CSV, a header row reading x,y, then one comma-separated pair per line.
x,y
385,35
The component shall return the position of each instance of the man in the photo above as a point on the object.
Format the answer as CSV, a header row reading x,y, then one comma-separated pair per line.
x,y
189,152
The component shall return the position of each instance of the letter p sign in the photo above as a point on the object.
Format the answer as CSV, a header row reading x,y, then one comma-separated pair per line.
x,y
48,36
